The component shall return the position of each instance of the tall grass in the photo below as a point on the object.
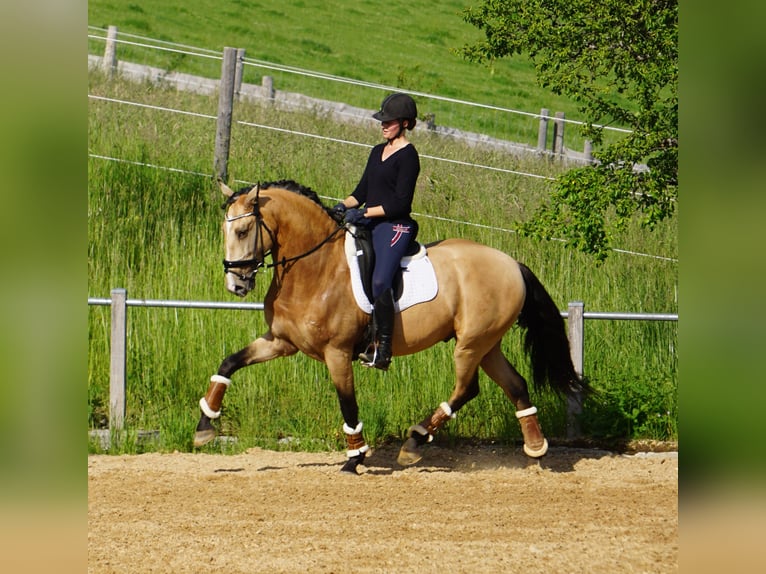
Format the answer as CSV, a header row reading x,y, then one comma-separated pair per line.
x,y
157,234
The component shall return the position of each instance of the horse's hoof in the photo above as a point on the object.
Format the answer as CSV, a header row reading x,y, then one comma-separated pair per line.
x,y
349,467
536,453
201,438
351,464
410,453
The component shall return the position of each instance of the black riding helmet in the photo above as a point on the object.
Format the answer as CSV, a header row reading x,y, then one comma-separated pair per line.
x,y
398,107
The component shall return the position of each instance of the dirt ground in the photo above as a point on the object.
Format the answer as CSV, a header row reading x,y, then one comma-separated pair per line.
x,y
463,509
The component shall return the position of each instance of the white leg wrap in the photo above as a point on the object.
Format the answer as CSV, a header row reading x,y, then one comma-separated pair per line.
x,y
220,379
207,410
526,412
348,430
447,410
420,429
358,451
352,431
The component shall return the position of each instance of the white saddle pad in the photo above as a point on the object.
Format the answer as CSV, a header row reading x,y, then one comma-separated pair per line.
x,y
418,278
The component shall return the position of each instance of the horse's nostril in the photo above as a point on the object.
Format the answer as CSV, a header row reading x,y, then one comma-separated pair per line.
x,y
241,290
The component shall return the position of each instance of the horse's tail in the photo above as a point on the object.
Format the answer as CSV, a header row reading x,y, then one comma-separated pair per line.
x,y
546,340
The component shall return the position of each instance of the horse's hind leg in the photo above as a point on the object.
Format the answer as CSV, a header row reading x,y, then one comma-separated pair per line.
x,y
514,386
466,388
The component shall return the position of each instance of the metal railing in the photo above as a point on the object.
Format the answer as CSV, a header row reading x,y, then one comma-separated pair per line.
x,y
119,302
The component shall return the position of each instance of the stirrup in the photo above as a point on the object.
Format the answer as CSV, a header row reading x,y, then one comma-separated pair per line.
x,y
368,355
375,361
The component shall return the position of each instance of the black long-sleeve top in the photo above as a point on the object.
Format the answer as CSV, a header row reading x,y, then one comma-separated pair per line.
x,y
390,183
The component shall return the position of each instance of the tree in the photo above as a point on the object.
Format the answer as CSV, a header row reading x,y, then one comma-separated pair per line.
x,y
618,59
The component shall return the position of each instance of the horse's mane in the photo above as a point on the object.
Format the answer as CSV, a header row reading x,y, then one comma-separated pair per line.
x,y
287,184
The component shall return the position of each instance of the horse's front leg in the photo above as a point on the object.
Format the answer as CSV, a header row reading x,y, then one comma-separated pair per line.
x,y
342,374
262,349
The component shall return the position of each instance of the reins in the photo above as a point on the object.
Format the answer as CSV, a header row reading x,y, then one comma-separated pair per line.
x,y
284,261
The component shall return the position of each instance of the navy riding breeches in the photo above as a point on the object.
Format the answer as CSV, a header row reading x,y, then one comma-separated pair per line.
x,y
389,241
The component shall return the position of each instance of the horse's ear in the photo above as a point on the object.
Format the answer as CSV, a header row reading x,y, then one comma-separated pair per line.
x,y
252,195
225,189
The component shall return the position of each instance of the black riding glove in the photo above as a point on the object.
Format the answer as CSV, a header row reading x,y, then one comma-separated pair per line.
x,y
356,217
339,208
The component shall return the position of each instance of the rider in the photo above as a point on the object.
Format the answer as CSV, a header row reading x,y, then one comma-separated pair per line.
x,y
386,189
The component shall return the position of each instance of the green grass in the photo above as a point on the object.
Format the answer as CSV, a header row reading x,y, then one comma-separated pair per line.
x,y
404,44
157,234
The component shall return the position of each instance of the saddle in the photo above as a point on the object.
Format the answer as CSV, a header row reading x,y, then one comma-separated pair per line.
x,y
415,281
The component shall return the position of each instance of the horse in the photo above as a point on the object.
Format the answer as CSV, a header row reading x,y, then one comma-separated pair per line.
x,y
310,307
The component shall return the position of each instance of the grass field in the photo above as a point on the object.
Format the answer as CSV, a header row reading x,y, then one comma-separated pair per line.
x,y
156,233
412,46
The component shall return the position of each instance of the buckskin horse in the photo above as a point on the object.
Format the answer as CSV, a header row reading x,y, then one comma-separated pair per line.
x,y
310,307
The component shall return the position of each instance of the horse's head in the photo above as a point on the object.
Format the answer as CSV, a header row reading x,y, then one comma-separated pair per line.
x,y
287,221
247,238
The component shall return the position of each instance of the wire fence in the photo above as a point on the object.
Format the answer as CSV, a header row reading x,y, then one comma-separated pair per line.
x,y
502,117
111,36
103,34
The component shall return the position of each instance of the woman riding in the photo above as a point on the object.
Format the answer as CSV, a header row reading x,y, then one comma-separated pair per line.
x,y
386,190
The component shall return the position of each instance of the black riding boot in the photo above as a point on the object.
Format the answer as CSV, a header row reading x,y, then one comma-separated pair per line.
x,y
384,328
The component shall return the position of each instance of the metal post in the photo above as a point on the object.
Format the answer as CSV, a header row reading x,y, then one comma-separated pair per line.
x,y
117,360
225,112
576,329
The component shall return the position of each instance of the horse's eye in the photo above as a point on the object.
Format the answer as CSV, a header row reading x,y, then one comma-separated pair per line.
x,y
242,233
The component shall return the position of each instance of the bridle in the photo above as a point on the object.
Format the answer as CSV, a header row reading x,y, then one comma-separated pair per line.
x,y
253,262
256,263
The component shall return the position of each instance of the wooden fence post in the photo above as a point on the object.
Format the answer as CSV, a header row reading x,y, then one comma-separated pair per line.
x,y
576,329
117,360
240,70
267,82
558,134
109,62
225,111
542,131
